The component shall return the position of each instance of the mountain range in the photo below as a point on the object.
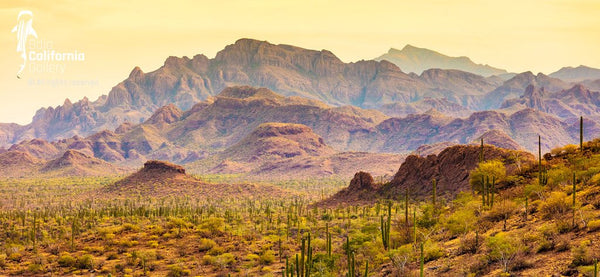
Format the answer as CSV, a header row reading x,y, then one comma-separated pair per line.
x,y
202,112
289,70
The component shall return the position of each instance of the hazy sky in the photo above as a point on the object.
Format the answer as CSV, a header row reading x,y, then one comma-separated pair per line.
x,y
519,35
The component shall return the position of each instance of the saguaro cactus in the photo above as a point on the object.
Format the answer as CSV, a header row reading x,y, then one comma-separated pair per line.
x,y
574,197
385,228
406,207
481,152
434,183
581,133
422,261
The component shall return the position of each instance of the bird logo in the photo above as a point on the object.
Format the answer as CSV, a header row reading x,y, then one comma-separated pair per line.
x,y
23,29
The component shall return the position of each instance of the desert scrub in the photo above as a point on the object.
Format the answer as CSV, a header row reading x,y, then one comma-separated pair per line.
x,y
85,262
503,248
66,260
206,244
558,203
581,254
177,271
501,211
594,225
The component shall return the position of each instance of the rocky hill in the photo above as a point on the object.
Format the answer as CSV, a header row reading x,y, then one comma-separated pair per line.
x,y
161,179
18,164
287,150
450,168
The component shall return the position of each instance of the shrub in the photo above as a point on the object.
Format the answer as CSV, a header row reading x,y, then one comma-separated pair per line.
x,y
224,260
177,271
216,250
66,260
468,243
432,251
267,257
581,254
206,244
503,248
556,204
85,262
594,225
2,261
502,210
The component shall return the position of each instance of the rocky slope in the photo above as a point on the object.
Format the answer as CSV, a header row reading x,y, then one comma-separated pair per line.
x,y
450,168
220,122
286,150
568,104
516,86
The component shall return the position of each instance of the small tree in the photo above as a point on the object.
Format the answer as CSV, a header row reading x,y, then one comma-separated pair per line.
x,y
503,248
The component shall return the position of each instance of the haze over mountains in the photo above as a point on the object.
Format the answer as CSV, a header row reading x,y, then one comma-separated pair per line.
x,y
417,60
201,110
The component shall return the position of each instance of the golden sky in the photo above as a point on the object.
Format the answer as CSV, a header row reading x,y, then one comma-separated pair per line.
x,y
519,35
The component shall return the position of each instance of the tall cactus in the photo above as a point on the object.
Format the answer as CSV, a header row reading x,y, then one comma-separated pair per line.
x,y
328,239
385,228
581,133
422,261
415,226
481,152
574,197
406,207
350,258
492,191
304,262
434,183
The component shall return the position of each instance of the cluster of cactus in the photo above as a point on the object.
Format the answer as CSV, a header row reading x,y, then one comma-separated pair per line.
x,y
385,228
488,190
304,261
350,258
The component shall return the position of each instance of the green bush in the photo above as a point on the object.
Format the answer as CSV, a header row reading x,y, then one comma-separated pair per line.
x,y
267,257
66,260
556,204
206,244
581,254
85,262
177,271
594,225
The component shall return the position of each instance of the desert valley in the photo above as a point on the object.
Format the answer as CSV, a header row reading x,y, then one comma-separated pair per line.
x,y
277,160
